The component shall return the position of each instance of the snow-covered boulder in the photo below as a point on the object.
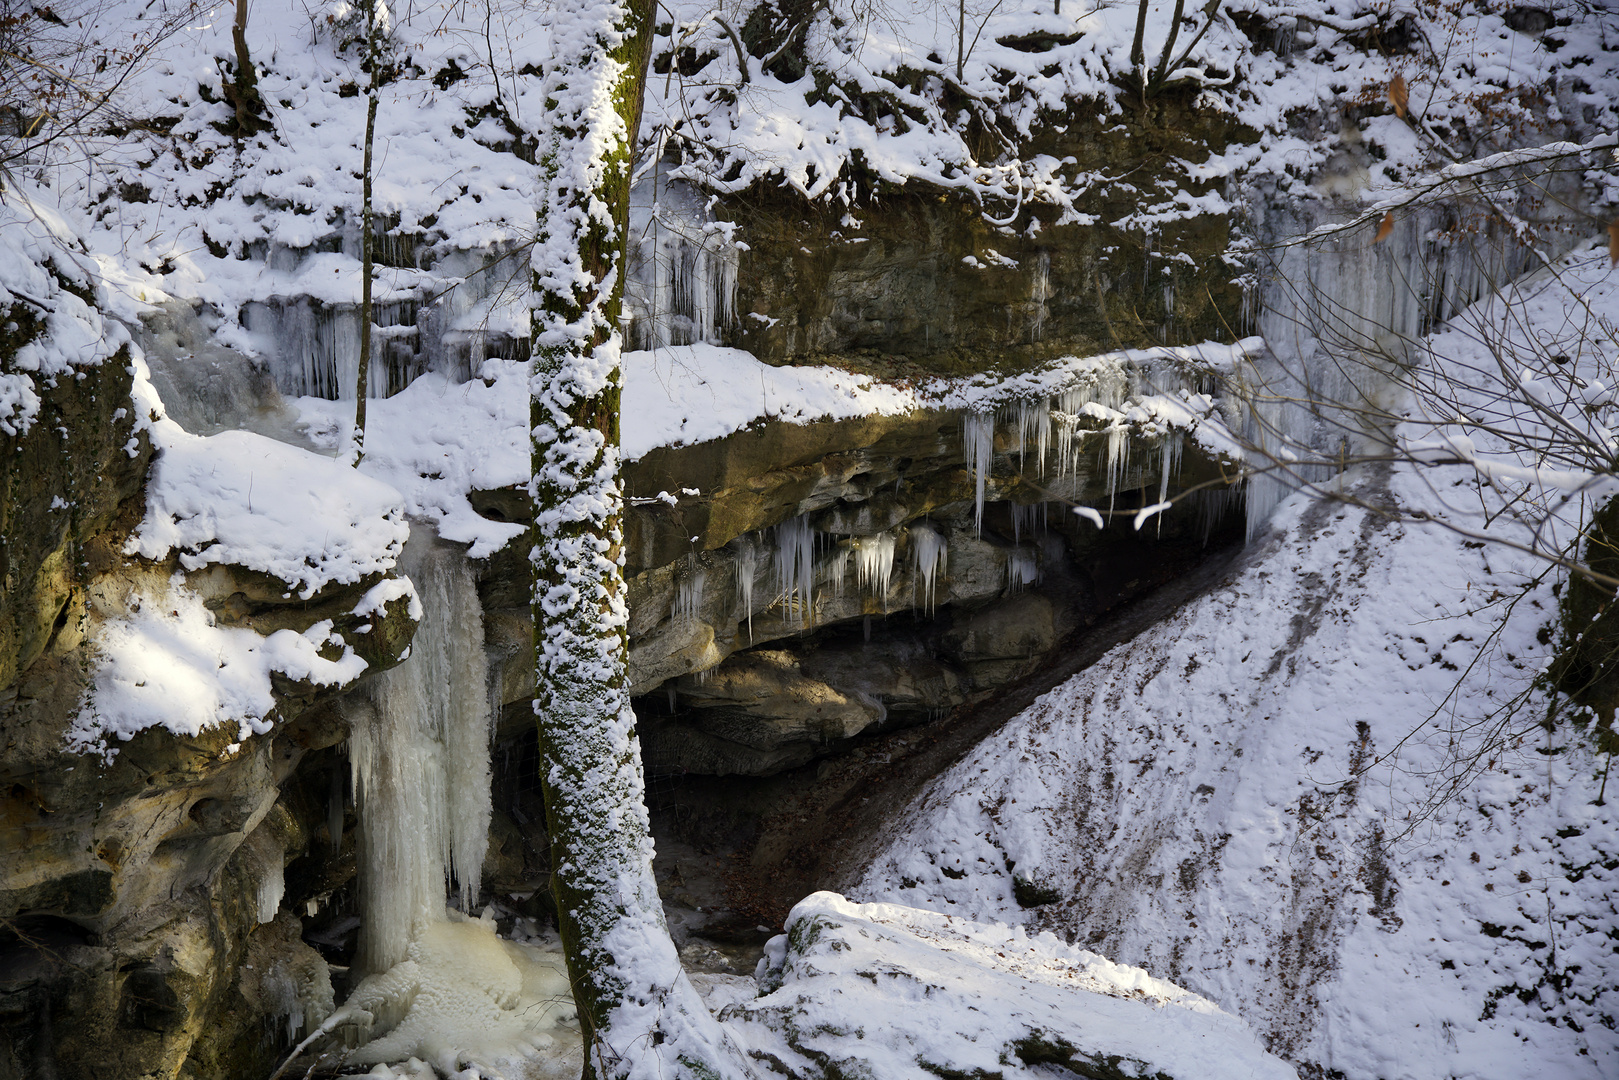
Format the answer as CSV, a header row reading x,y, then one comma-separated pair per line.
x,y
879,990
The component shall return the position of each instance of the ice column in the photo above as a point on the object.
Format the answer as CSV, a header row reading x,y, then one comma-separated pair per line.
x,y
978,446
420,763
874,566
929,552
795,567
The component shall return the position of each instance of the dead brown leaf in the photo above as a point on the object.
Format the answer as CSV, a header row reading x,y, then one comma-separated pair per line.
x,y
1398,96
1613,242
1384,227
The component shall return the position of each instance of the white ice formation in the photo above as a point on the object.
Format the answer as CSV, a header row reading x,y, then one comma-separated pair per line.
x,y
420,763
682,269
689,591
795,568
930,555
874,565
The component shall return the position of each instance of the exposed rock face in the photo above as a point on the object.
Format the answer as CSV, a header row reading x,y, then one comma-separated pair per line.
x,y
900,289
154,866
922,277
61,483
132,888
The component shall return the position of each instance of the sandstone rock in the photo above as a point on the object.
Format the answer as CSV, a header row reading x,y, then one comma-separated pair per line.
x,y
763,699
1019,627
61,485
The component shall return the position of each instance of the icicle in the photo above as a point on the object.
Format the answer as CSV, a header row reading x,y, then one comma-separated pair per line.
x,y
272,880
1170,451
875,565
747,567
978,445
795,568
420,763
681,287
1068,437
1027,520
1173,445
1118,459
929,552
689,591
837,568
1034,425
1022,570
1213,505
1039,294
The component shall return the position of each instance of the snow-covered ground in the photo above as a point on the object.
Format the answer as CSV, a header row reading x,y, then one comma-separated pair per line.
x,y
1252,800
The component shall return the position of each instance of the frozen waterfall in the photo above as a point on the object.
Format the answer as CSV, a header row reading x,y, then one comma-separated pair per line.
x,y
1339,314
681,284
420,763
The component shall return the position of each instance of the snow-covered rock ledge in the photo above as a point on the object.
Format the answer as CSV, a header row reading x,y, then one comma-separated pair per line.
x,y
879,990
258,560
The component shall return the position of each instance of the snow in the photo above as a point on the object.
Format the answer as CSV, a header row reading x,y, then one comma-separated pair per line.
x,y
681,395
1320,795
897,992
435,442
244,500
883,90
163,662
42,273
240,499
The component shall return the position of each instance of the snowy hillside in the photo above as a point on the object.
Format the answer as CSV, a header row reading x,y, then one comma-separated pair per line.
x,y
1321,795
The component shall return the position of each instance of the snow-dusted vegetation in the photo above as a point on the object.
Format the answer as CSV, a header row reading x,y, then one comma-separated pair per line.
x,y
753,397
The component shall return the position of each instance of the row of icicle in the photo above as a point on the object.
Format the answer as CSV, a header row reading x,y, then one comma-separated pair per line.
x,y
1047,427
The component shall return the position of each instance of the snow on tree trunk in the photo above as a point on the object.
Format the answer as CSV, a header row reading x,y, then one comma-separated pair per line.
x,y
640,1016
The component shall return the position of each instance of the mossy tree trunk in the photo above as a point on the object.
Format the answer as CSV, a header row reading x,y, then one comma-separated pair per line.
x,y
639,1014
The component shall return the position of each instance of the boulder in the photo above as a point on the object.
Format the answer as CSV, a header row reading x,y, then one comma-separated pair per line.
x,y
840,992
